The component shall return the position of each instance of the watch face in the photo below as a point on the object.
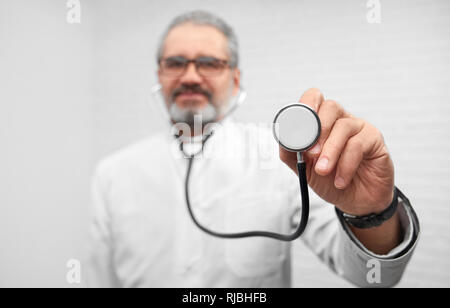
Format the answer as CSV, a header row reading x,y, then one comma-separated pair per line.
x,y
296,127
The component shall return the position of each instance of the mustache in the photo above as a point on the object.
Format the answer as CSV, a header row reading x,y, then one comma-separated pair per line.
x,y
191,89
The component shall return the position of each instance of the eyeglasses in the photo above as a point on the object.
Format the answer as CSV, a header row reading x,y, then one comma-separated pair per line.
x,y
206,66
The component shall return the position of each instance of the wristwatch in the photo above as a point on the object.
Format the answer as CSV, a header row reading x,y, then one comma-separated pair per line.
x,y
371,220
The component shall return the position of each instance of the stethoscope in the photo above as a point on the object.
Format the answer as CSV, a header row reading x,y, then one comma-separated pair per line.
x,y
296,127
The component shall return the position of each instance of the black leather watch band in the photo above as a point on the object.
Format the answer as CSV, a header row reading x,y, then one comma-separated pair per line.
x,y
371,220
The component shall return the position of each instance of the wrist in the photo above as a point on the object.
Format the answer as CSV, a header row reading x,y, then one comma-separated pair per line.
x,y
384,205
373,219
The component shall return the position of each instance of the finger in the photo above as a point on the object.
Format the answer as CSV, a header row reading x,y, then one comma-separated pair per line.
x,y
349,163
343,129
289,158
354,152
312,98
329,112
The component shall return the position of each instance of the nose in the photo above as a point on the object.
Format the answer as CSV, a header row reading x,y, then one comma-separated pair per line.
x,y
191,76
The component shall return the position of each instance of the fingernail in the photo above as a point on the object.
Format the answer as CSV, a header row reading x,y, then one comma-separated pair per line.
x,y
315,149
322,163
339,182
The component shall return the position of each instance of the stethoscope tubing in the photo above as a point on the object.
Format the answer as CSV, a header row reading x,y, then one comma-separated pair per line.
x,y
301,168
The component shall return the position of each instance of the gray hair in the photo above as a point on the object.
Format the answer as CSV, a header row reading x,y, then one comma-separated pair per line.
x,y
205,18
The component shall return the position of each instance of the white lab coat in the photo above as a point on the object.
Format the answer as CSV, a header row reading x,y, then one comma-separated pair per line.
x,y
142,235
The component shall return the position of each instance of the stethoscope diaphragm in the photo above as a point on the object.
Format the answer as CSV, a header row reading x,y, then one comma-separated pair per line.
x,y
296,127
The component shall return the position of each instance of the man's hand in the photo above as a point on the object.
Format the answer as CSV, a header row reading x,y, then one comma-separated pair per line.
x,y
349,166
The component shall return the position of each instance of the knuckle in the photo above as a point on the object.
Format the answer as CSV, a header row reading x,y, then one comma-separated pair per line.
x,y
335,107
343,123
355,144
332,146
359,120
332,104
329,103
374,132
378,134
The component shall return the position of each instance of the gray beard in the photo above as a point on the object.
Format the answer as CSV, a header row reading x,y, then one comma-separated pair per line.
x,y
209,114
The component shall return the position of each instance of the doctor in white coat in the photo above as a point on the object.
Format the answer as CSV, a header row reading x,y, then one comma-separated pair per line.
x,y
142,235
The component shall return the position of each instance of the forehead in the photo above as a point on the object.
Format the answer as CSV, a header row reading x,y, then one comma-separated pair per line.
x,y
191,40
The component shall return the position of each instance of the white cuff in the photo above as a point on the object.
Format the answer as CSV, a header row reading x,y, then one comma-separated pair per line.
x,y
407,222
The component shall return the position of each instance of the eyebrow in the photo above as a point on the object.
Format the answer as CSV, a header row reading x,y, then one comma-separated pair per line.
x,y
198,55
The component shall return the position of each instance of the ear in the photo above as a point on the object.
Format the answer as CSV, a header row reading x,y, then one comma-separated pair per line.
x,y
159,75
236,80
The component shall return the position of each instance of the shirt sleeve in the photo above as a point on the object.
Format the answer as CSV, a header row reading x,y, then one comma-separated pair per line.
x,y
100,270
331,239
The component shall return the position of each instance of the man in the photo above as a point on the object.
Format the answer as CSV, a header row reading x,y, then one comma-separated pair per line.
x,y
142,232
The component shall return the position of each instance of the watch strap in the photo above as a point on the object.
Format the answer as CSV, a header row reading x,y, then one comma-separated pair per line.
x,y
371,220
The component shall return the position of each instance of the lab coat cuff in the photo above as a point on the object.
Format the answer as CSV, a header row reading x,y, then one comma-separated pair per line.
x,y
358,260
410,229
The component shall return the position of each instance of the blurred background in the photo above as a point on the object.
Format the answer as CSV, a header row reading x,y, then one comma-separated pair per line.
x,y
70,93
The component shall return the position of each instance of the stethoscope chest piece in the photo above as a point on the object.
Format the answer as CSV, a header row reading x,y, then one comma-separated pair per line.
x,y
296,127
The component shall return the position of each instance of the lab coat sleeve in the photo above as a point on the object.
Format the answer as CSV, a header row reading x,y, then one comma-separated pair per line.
x,y
100,270
333,242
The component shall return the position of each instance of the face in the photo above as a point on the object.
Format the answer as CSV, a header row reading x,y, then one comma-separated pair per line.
x,y
191,93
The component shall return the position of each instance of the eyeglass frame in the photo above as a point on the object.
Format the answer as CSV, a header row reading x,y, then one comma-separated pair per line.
x,y
226,64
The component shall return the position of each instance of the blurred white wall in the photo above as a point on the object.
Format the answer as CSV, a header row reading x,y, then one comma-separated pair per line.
x,y
71,94
46,141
